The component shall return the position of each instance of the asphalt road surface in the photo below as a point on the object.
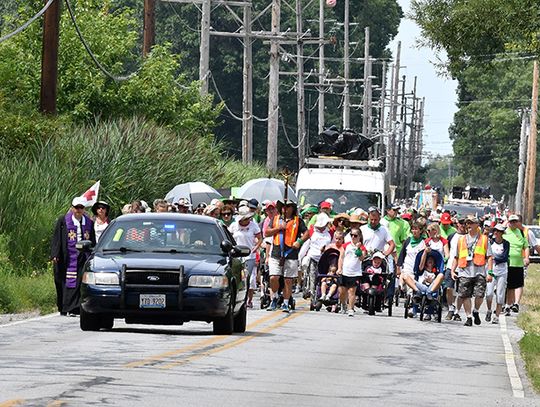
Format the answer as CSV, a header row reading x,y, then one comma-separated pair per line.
x,y
301,359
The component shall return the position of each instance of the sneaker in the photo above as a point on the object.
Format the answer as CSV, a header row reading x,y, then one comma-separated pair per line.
x,y
468,322
457,317
273,305
507,311
410,314
449,316
476,316
350,313
495,320
488,316
515,308
427,317
285,308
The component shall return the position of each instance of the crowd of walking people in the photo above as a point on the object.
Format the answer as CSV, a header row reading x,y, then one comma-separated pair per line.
x,y
485,259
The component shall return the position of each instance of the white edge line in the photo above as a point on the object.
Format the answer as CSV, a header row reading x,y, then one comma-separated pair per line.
x,y
24,321
515,380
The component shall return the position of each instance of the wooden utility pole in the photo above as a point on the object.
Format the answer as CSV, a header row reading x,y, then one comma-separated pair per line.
x,y
522,160
204,61
247,94
366,102
382,99
529,214
273,91
403,132
149,26
346,70
321,66
393,116
49,58
420,135
300,86
412,142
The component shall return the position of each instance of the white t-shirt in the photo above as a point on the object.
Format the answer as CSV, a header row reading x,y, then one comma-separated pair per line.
x,y
245,235
352,266
426,275
498,269
316,242
375,239
410,256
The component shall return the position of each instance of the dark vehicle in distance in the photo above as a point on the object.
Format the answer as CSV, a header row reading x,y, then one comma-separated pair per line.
x,y
164,269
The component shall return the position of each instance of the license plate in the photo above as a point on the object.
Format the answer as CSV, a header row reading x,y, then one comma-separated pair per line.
x,y
152,301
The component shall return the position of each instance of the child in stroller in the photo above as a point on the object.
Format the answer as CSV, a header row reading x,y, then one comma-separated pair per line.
x,y
373,284
326,281
426,284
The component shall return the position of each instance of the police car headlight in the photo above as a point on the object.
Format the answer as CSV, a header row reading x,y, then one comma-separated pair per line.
x,y
103,278
208,281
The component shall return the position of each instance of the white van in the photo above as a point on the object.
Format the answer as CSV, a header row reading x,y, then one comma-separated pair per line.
x,y
349,183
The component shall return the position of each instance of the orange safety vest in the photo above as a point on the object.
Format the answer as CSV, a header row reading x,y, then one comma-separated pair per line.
x,y
290,233
479,254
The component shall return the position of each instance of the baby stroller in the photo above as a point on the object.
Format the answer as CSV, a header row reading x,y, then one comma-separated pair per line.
x,y
372,298
266,298
328,259
424,304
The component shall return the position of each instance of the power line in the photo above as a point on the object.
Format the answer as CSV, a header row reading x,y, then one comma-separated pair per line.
x,y
287,135
25,25
91,54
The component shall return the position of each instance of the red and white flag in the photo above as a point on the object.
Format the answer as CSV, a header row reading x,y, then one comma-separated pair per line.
x,y
90,197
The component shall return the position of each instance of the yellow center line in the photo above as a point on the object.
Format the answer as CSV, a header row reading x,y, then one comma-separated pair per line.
x,y
11,403
56,403
232,344
194,346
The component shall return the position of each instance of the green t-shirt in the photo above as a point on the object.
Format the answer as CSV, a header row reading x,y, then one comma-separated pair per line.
x,y
447,232
399,230
518,242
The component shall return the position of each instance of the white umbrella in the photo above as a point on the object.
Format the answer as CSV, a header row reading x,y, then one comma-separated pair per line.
x,y
265,188
195,192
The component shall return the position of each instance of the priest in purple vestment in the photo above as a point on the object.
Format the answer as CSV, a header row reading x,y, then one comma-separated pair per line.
x,y
68,262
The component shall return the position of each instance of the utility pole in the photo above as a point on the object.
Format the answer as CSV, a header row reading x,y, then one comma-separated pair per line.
x,y
204,61
273,95
49,59
401,162
412,142
366,110
149,26
247,94
522,158
382,111
420,135
393,115
321,66
529,214
300,86
346,73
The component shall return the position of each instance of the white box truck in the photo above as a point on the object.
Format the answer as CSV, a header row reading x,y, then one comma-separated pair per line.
x,y
350,183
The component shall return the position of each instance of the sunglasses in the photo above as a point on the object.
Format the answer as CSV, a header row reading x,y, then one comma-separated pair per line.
x,y
226,213
79,207
354,235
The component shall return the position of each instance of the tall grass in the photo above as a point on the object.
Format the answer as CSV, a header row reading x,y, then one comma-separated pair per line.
x,y
133,158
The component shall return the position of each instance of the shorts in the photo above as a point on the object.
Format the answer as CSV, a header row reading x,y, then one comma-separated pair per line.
x,y
516,277
472,287
448,281
251,270
349,282
288,270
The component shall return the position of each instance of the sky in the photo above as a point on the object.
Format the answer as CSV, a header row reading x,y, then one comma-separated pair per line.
x,y
440,92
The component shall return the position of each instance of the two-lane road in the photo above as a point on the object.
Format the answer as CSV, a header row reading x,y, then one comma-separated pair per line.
x,y
305,358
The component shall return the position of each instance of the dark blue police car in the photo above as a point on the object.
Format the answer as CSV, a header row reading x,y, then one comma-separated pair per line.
x,y
164,268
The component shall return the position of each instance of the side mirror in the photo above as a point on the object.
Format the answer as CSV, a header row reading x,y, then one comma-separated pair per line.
x,y
84,246
226,246
240,251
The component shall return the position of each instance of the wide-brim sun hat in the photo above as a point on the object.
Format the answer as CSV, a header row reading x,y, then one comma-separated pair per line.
x,y
322,220
100,204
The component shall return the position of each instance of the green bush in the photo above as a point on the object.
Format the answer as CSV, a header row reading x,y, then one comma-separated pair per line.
x,y
133,159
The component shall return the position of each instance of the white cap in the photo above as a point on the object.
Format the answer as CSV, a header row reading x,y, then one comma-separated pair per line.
x,y
79,200
379,255
330,201
322,220
513,217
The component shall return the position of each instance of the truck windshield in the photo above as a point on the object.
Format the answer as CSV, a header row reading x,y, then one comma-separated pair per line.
x,y
343,200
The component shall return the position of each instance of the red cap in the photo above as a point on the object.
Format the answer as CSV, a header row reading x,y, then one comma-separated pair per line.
x,y
326,205
446,219
406,216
